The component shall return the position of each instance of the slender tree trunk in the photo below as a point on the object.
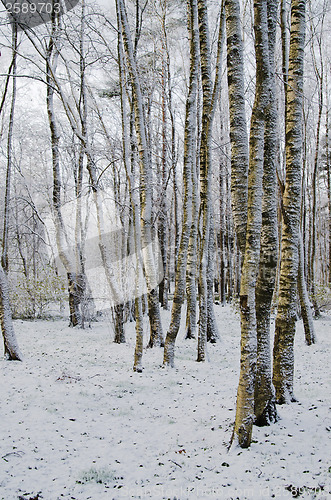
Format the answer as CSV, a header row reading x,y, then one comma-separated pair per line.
x,y
212,329
145,169
210,95
328,173
306,311
189,141
61,237
265,407
4,257
238,123
230,243
222,236
245,415
162,224
127,149
192,260
319,76
283,364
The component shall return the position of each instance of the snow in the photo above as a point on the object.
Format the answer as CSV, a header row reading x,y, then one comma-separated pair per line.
x,y
77,423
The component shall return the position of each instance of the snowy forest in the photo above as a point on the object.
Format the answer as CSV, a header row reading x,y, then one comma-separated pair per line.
x,y
165,244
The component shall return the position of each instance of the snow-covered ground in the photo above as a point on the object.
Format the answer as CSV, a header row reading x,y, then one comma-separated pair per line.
x,y
77,423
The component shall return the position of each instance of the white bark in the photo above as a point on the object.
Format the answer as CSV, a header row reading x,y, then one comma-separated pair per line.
x,y
189,163
12,351
283,366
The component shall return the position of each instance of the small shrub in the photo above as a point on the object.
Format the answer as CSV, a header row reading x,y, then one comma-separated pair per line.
x,y
31,296
101,476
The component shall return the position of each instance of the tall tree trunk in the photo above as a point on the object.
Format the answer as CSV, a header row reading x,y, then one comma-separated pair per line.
x,y
283,364
319,70
128,154
4,257
210,94
245,415
145,170
222,234
328,173
162,222
265,407
52,55
189,142
192,259
238,123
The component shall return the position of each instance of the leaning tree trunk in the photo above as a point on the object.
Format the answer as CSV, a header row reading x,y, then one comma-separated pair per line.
x,y
265,405
283,365
189,142
12,351
245,415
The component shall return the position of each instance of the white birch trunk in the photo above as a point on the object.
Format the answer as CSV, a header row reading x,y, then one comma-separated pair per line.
x,y
283,363
189,164
210,95
12,351
265,407
145,171
238,123
245,415
306,310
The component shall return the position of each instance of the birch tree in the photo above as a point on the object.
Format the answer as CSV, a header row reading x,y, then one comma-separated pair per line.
x,y
52,55
134,198
238,122
306,312
210,94
4,256
245,415
318,64
145,176
328,184
283,363
302,280
265,407
189,165
12,351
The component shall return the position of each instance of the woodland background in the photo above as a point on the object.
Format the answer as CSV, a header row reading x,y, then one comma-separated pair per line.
x,y
132,151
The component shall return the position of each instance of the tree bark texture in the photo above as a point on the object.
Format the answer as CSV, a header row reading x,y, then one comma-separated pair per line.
x,y
238,123
306,311
61,237
265,407
145,166
283,363
11,349
189,164
245,415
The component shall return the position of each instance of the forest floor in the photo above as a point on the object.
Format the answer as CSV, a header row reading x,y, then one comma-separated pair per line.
x,y
77,423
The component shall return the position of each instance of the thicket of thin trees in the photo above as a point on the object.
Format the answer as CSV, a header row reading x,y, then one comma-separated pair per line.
x,y
171,155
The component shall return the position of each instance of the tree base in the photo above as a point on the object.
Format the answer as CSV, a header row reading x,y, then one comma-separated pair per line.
x,y
268,416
